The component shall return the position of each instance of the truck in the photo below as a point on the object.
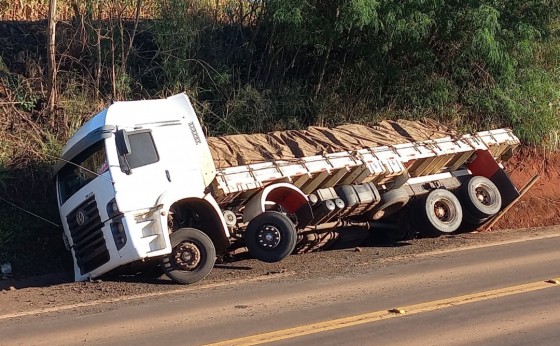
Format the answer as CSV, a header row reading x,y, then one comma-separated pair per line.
x,y
137,183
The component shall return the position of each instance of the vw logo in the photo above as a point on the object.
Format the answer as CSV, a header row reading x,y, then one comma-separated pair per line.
x,y
80,217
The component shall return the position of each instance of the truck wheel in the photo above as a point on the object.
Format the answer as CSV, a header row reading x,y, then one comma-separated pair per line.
x,y
270,236
438,212
480,198
391,201
192,256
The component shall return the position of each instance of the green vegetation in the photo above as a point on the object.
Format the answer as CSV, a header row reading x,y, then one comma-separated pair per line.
x,y
262,65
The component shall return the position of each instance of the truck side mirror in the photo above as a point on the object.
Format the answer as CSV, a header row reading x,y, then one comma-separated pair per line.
x,y
123,145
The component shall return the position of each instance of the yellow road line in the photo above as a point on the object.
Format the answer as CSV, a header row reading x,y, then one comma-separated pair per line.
x,y
384,314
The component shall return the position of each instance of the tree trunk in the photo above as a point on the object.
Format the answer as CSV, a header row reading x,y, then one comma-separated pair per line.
x,y
51,58
99,62
113,62
131,38
323,70
113,58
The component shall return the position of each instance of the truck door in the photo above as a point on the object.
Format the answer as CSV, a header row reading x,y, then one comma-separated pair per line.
x,y
158,162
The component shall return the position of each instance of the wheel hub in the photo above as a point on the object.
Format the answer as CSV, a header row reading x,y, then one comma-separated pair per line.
x,y
186,256
483,196
268,237
443,211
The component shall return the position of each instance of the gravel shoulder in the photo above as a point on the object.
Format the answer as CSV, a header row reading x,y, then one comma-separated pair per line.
x,y
47,293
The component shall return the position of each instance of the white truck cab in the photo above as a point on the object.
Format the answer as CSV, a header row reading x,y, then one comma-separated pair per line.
x,y
119,175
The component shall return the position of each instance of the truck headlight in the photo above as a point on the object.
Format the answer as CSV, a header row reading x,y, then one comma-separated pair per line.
x,y
66,242
112,208
119,235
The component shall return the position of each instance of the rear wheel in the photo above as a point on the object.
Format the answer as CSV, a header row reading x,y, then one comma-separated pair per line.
x,y
192,256
391,202
439,212
480,198
270,236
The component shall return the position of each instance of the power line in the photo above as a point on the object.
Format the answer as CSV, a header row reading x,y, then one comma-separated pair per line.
x,y
27,211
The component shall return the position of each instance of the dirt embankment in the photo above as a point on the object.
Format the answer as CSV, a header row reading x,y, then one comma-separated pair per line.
x,y
541,205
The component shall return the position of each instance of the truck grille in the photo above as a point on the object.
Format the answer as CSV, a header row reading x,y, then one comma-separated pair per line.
x,y
89,244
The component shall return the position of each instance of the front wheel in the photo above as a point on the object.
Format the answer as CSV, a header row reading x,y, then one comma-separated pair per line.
x,y
192,256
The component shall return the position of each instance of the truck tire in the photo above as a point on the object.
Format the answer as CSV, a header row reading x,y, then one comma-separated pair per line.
x,y
480,198
270,236
391,201
192,256
438,212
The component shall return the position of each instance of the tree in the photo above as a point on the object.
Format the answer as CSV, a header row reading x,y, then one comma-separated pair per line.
x,y
322,26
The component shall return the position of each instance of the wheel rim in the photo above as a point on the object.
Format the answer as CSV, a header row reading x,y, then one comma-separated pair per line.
x,y
483,195
186,256
444,210
268,237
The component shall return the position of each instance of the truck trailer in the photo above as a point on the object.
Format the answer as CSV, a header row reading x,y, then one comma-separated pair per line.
x,y
138,183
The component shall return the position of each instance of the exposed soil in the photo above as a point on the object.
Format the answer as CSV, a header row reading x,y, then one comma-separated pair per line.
x,y
539,207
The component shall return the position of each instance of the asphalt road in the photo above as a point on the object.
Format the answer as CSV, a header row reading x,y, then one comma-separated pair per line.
x,y
483,295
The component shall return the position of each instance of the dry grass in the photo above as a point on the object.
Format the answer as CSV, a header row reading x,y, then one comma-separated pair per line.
x,y
33,10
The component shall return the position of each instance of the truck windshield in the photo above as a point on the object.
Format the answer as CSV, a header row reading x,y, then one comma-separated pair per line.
x,y
84,168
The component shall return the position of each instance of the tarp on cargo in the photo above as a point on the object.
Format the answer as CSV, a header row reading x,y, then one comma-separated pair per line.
x,y
236,150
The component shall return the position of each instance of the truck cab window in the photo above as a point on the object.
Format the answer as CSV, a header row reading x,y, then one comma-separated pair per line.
x,y
142,150
83,169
